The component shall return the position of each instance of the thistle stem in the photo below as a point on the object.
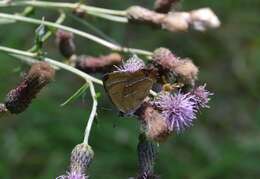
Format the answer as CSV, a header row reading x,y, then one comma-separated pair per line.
x,y
78,32
95,11
93,112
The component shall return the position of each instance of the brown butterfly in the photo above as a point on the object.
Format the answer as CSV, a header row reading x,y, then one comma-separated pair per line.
x,y
127,90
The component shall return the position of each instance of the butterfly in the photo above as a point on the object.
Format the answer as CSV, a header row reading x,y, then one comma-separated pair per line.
x,y
127,90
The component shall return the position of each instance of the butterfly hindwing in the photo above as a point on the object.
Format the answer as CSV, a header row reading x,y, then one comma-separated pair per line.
x,y
127,90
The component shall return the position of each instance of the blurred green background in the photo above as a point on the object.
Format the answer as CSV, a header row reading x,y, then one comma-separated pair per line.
x,y
224,142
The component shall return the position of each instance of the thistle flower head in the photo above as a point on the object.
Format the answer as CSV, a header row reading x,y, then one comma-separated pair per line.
x,y
179,110
80,159
73,175
201,96
132,64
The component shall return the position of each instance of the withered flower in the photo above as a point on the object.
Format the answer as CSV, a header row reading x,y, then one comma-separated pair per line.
x,y
19,98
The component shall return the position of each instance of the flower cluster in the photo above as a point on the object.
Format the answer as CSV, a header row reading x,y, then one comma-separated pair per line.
x,y
178,101
201,19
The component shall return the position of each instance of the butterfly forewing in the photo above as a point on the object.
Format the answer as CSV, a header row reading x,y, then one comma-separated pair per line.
x,y
128,90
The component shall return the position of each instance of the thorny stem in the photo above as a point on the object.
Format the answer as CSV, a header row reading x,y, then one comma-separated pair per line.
x,y
78,32
113,15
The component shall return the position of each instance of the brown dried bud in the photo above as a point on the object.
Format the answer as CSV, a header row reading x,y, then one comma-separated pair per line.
x,y
81,157
177,21
65,42
140,14
100,64
155,124
78,11
186,70
18,99
164,57
164,6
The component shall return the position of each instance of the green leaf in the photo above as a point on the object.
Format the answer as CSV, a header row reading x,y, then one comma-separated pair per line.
x,y
77,94
39,37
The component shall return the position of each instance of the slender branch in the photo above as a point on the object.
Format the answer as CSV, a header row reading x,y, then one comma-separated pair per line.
x,y
93,112
54,63
62,5
78,32
51,24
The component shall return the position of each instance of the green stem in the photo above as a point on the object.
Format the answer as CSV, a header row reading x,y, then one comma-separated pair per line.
x,y
93,112
63,5
61,65
78,32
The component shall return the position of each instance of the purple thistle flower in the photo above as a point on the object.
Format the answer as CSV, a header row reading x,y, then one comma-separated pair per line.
x,y
73,175
201,96
133,64
179,110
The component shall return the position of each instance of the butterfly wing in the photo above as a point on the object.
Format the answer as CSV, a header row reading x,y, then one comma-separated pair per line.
x,y
128,90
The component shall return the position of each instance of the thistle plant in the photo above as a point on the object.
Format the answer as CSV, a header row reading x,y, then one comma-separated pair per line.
x,y
171,104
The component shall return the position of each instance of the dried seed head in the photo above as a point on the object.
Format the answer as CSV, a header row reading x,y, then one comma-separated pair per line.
x,y
65,42
203,19
100,64
140,14
154,123
18,99
81,157
164,6
177,21
164,57
186,70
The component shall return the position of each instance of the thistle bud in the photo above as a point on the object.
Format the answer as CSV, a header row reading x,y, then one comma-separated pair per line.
x,y
81,157
18,99
177,21
164,6
100,64
140,14
65,42
204,18
186,71
155,125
